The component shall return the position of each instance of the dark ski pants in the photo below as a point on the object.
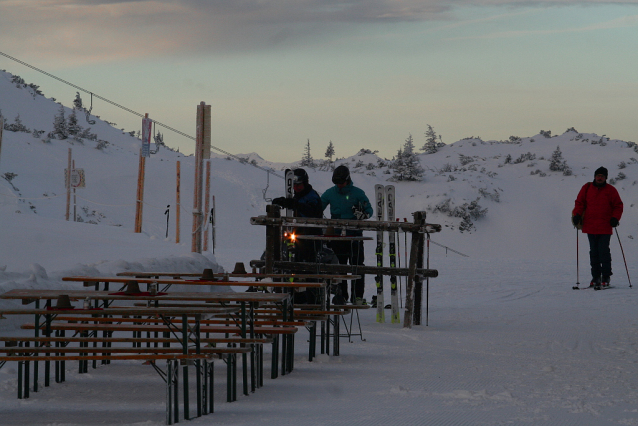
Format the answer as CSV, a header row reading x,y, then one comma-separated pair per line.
x,y
599,255
350,252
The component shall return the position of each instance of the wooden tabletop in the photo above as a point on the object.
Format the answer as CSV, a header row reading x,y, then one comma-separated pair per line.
x,y
230,275
194,282
333,237
251,297
169,311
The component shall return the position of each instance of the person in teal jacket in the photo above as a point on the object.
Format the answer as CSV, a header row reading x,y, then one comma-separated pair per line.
x,y
346,201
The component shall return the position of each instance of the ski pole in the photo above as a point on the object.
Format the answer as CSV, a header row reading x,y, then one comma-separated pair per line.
x,y
400,278
623,258
577,256
168,214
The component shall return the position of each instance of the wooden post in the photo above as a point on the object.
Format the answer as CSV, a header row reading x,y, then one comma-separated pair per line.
x,y
75,214
419,217
177,212
413,287
68,185
206,205
139,200
140,186
202,137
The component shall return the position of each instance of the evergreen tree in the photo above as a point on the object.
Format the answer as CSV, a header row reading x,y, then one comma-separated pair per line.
x,y
16,126
430,146
77,102
307,159
556,163
330,151
60,130
72,126
406,165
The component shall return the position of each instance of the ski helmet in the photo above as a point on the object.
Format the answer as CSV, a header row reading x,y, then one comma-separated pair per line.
x,y
300,176
341,175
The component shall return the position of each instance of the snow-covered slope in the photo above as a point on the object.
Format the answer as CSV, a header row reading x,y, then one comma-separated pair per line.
x,y
508,341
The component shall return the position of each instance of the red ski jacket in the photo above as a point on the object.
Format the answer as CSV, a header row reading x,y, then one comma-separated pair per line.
x,y
599,205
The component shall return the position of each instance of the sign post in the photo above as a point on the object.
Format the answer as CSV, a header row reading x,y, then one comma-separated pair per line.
x,y
145,151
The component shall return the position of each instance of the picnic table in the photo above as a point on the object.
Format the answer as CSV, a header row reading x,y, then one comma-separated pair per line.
x,y
246,301
188,333
324,297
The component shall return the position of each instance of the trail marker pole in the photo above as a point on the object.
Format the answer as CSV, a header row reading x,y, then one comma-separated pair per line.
x,y
178,205
68,185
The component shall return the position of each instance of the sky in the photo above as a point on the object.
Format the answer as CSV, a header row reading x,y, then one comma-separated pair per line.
x,y
362,73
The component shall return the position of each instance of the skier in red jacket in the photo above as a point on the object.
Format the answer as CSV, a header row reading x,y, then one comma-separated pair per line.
x,y
598,209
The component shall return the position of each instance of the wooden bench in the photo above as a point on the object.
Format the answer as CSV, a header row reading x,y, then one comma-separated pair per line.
x,y
204,372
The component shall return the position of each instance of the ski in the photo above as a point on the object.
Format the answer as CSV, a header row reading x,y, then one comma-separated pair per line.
x,y
392,254
288,245
379,192
603,287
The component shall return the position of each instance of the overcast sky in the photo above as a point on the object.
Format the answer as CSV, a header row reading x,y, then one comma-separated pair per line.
x,y
359,73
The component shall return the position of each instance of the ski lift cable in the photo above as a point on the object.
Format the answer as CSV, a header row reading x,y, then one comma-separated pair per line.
x,y
449,249
241,160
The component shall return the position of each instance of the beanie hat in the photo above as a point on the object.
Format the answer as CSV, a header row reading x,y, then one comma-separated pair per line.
x,y
601,171
300,176
340,175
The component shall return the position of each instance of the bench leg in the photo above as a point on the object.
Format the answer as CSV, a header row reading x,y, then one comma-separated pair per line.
x,y
274,372
198,381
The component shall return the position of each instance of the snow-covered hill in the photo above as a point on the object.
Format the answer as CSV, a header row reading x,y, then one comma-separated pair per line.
x,y
494,198
509,342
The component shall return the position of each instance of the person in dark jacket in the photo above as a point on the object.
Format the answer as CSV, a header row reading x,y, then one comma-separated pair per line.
x,y
346,201
598,208
305,203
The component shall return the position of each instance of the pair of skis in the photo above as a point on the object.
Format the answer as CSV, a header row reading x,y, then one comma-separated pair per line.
x,y
385,198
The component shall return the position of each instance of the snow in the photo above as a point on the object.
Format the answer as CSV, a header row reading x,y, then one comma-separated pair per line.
x,y
507,342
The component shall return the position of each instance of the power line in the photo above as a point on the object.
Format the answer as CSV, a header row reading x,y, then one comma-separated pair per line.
x,y
241,160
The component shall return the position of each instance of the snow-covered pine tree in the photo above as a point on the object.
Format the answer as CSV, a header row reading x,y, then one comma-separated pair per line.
x,y
398,166
72,125
77,102
558,164
306,159
413,169
16,126
430,146
60,130
407,166
330,151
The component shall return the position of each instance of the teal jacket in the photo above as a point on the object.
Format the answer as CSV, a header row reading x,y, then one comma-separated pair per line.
x,y
341,201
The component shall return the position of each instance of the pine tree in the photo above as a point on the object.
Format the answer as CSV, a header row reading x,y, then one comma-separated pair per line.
x,y
60,130
77,102
556,163
398,166
406,165
72,126
430,146
330,151
307,159
413,169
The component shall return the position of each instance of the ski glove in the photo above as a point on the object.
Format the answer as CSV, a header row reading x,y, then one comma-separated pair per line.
x,y
287,203
613,222
576,219
358,213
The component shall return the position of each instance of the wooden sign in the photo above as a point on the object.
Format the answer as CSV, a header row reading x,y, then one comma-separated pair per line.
x,y
77,178
147,126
